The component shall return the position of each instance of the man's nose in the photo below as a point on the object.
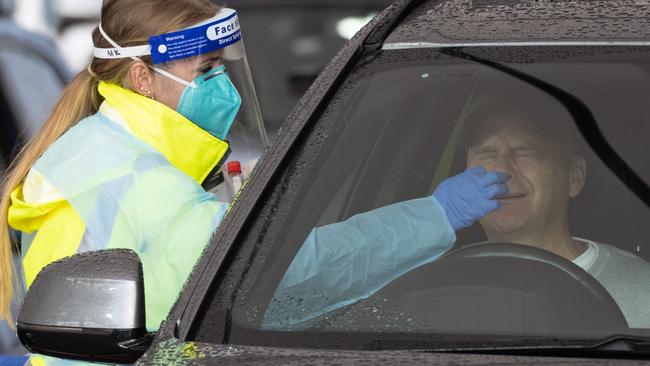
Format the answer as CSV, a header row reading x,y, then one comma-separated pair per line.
x,y
505,163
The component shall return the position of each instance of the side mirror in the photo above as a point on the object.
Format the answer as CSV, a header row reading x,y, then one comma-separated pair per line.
x,y
89,307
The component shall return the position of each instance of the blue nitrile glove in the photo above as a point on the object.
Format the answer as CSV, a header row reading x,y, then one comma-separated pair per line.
x,y
468,196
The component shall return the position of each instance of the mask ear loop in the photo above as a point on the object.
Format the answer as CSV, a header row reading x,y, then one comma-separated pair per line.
x,y
160,71
170,75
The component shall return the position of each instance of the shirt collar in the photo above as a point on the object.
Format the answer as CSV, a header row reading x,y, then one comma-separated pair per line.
x,y
187,147
587,259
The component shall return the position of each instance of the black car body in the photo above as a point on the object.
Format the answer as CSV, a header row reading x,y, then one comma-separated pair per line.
x,y
214,320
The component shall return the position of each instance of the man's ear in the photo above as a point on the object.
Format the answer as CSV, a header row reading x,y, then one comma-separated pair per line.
x,y
577,175
142,79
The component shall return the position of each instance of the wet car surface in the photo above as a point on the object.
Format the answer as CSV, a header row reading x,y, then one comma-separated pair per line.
x,y
436,23
173,352
217,321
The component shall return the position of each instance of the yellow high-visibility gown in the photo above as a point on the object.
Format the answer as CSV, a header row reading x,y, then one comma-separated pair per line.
x,y
126,177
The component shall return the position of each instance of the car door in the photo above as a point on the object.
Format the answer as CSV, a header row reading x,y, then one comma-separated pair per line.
x,y
385,137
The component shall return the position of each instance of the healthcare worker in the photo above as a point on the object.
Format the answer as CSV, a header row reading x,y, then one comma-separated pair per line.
x,y
120,161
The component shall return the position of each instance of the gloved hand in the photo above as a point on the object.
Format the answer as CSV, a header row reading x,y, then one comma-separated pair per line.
x,y
468,196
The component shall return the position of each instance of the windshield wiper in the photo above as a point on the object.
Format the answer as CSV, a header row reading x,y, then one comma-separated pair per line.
x,y
617,346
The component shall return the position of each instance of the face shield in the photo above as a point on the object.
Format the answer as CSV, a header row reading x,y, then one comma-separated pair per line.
x,y
222,98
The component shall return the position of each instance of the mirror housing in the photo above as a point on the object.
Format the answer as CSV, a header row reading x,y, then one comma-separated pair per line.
x,y
89,306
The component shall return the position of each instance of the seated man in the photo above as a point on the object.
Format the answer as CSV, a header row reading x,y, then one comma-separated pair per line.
x,y
546,172
519,181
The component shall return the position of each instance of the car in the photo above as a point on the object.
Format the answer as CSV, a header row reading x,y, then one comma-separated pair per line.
x,y
384,123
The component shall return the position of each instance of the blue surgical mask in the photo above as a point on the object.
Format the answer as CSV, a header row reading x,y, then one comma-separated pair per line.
x,y
211,101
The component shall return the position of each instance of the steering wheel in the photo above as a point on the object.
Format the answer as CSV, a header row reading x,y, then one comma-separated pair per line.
x,y
494,288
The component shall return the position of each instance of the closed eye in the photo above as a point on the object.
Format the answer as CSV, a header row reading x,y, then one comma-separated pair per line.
x,y
486,153
527,153
209,64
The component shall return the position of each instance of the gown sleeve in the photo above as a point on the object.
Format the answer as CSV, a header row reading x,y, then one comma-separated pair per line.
x,y
344,262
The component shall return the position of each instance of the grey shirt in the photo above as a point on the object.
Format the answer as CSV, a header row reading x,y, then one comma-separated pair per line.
x,y
624,275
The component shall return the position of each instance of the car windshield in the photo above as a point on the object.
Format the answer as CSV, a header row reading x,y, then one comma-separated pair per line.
x,y
349,248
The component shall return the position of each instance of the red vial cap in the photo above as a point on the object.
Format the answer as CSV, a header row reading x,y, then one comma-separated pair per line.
x,y
233,167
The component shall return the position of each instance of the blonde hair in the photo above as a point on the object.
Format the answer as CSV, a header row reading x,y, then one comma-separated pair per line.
x,y
129,23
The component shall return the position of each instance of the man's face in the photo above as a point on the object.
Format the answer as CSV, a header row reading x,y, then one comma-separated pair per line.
x,y
539,186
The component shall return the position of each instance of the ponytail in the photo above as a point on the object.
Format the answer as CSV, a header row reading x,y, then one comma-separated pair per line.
x,y
80,99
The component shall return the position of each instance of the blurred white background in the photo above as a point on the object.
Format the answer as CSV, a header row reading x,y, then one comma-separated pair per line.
x,y
68,22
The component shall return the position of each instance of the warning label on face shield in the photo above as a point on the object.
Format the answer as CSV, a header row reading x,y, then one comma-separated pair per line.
x,y
218,32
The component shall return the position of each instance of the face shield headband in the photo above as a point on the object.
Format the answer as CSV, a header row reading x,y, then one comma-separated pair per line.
x,y
211,100
215,33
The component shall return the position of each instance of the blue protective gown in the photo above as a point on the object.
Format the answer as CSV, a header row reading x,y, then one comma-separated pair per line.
x,y
344,262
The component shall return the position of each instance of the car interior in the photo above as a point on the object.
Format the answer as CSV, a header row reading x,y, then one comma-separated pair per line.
x,y
392,139
391,165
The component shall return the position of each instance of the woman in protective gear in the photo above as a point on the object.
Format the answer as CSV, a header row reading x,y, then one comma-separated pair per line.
x,y
120,161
